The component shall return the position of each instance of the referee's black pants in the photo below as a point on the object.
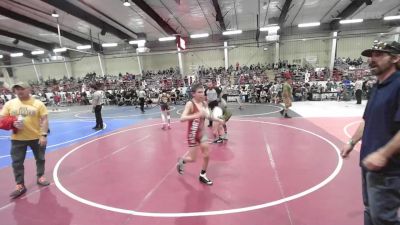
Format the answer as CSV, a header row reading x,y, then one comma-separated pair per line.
x,y
99,119
358,96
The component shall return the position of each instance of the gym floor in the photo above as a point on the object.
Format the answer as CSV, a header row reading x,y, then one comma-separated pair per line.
x,y
271,170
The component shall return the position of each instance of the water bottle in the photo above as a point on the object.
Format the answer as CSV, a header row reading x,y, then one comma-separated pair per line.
x,y
20,120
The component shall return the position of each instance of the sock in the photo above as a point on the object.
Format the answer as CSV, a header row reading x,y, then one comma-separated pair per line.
x,y
203,172
163,117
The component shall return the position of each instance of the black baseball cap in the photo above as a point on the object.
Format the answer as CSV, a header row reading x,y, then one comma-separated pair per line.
x,y
392,48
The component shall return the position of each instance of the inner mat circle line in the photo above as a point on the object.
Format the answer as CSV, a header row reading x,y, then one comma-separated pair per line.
x,y
346,128
203,213
179,112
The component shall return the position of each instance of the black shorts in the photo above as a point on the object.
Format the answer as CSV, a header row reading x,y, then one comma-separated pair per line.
x,y
212,104
164,106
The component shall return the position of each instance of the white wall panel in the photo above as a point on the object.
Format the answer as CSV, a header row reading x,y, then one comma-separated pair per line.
x,y
352,47
250,54
24,73
54,70
210,58
245,53
293,50
158,62
121,64
82,66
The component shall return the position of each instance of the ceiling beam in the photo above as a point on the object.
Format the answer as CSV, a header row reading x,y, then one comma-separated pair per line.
x,y
219,16
157,18
83,15
40,44
108,17
27,20
284,12
348,11
7,61
11,49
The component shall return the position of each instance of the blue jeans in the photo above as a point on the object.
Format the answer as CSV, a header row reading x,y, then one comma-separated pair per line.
x,y
381,197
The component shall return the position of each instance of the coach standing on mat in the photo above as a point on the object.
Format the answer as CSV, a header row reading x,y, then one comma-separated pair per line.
x,y
380,135
287,96
96,104
32,127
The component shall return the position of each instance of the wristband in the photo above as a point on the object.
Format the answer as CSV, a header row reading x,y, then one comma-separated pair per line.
x,y
351,142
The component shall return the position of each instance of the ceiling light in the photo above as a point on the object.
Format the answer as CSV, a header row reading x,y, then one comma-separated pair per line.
x,y
55,14
59,50
392,17
167,38
127,3
265,49
1,56
269,28
199,35
19,54
137,42
351,21
231,32
314,24
37,52
82,47
108,45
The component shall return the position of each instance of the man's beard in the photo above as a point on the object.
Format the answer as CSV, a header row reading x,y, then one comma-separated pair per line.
x,y
379,70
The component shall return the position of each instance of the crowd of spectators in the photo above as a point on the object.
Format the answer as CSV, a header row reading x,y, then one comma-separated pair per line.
x,y
257,83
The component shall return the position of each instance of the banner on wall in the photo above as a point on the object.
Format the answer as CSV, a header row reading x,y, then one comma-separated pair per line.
x,y
312,59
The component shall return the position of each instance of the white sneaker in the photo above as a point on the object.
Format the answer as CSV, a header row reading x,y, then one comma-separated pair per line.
x,y
203,179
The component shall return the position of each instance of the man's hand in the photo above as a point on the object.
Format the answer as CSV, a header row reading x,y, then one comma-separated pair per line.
x,y
376,160
18,124
43,141
346,150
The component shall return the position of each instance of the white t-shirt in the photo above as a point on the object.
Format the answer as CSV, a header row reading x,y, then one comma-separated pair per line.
x,y
97,98
142,94
358,85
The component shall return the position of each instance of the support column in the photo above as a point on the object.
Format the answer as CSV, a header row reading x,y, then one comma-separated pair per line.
x,y
59,33
180,60
333,53
277,56
66,68
101,64
140,65
397,36
226,57
36,72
